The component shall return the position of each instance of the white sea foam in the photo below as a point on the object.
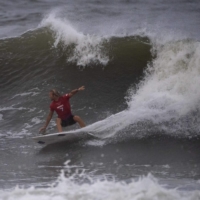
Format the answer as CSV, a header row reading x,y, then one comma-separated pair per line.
x,y
36,120
12,108
26,94
88,48
67,188
170,90
27,125
172,84
14,134
95,142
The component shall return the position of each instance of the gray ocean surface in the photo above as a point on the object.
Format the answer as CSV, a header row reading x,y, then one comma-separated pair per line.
x,y
139,62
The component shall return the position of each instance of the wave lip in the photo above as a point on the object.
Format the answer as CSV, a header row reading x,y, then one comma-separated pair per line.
x,y
87,48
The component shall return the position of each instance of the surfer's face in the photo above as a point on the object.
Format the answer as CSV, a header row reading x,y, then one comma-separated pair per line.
x,y
51,96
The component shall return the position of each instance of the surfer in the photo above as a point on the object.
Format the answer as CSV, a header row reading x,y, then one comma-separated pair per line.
x,y
61,105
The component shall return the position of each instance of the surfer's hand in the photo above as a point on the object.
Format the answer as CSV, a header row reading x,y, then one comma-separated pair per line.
x,y
81,88
42,130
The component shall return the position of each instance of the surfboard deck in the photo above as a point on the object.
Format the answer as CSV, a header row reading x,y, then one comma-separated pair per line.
x,y
61,137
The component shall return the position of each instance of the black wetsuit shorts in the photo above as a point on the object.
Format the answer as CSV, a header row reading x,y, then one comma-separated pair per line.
x,y
67,122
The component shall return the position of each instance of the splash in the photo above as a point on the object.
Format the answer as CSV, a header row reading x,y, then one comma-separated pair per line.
x,y
167,98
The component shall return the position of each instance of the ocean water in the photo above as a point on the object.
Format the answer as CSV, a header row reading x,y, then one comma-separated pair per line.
x,y
139,62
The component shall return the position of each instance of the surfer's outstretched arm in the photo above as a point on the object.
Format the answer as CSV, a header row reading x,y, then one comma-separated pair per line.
x,y
47,120
73,92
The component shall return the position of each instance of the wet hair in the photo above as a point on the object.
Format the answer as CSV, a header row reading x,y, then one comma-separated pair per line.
x,y
55,92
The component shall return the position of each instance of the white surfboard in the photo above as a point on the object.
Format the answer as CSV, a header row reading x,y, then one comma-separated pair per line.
x,y
61,137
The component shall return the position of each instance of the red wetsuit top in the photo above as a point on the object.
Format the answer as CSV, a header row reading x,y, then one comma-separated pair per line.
x,y
62,107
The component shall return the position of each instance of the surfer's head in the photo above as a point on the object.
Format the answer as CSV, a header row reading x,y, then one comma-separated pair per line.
x,y
54,94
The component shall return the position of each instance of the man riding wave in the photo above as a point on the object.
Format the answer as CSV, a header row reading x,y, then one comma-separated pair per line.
x,y
61,105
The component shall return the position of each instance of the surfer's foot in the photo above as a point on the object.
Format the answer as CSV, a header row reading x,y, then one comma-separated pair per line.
x,y
42,132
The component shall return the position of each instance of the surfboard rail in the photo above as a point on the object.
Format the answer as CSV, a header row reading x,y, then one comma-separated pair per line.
x,y
61,137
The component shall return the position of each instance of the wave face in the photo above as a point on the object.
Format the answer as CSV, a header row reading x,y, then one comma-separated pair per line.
x,y
159,81
43,59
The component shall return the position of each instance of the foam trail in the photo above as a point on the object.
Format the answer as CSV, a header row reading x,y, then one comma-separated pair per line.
x,y
88,48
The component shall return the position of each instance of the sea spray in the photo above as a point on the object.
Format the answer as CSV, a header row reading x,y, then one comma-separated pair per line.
x,y
166,99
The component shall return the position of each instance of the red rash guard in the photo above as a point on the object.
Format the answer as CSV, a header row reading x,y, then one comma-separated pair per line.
x,y
62,107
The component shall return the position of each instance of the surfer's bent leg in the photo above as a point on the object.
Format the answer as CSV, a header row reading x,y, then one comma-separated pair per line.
x,y
58,123
79,120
